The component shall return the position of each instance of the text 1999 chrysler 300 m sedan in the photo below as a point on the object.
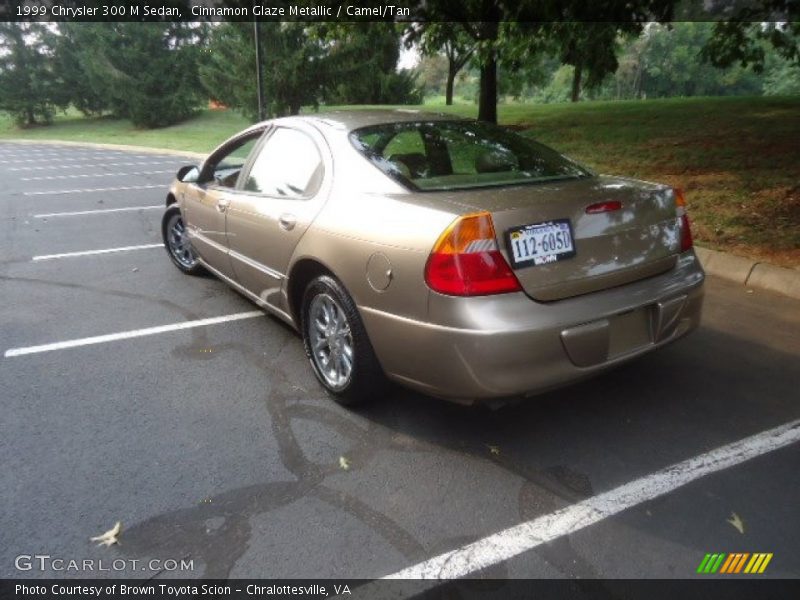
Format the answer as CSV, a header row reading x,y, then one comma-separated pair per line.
x,y
455,257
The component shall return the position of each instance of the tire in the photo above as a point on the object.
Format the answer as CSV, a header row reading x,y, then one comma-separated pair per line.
x,y
326,338
176,242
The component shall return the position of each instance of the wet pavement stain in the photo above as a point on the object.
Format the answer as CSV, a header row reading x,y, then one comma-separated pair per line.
x,y
186,532
217,531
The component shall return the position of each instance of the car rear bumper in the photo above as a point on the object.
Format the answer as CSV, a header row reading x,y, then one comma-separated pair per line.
x,y
508,345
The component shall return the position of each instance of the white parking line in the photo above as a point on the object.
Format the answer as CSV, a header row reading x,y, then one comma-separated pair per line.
x,y
71,158
92,252
29,152
125,335
108,189
92,165
95,212
78,176
515,540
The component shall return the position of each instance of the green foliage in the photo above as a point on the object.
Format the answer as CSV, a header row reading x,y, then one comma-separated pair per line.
x,y
80,83
667,61
228,68
146,72
510,34
362,63
305,64
673,65
745,43
293,67
781,78
432,74
27,85
590,48
454,43
151,71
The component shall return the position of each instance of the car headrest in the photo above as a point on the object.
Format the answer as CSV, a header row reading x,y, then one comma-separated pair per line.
x,y
415,163
493,161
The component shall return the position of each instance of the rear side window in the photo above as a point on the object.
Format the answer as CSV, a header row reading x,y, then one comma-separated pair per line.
x,y
288,166
448,155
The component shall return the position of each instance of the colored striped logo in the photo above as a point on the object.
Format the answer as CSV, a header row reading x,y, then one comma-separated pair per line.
x,y
739,562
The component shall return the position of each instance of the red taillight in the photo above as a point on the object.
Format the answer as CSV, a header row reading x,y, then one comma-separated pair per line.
x,y
686,230
465,261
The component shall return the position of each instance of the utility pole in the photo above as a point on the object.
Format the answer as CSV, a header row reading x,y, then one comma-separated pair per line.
x,y
259,71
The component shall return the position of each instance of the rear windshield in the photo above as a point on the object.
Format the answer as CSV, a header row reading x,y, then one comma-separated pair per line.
x,y
451,155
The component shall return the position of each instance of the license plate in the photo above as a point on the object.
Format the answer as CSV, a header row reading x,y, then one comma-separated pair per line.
x,y
540,243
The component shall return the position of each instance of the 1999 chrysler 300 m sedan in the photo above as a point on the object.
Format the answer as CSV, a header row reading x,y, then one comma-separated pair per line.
x,y
455,257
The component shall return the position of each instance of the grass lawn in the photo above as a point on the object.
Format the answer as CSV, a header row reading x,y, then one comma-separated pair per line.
x,y
737,158
200,134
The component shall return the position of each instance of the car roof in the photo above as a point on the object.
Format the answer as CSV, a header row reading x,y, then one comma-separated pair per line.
x,y
349,120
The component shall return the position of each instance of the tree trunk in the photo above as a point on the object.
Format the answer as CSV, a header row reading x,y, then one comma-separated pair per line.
x,y
576,82
452,70
30,116
487,101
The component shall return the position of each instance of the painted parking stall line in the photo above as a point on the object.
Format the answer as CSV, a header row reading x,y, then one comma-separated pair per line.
x,y
526,536
94,252
89,190
85,175
90,164
135,333
97,212
70,158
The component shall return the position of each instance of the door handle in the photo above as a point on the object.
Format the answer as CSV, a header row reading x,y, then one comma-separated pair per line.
x,y
222,204
287,221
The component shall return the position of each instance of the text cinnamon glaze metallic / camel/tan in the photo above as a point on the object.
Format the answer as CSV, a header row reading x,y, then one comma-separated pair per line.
x,y
454,257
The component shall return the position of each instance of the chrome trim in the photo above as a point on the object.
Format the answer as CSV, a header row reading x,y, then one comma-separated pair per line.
x,y
256,265
194,232
284,316
240,257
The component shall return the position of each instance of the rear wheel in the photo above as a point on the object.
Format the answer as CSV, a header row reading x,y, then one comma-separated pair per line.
x,y
337,345
177,243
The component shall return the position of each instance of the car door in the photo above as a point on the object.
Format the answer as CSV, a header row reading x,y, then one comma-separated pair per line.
x,y
281,192
205,202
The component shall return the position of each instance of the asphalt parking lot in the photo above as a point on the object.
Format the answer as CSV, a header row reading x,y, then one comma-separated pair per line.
x,y
215,444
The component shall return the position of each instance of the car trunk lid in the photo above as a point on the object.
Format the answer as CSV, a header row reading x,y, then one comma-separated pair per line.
x,y
631,231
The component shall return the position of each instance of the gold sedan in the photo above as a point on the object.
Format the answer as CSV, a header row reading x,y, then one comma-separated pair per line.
x,y
455,257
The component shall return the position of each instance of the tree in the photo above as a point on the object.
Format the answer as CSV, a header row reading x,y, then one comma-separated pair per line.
x,y
512,32
294,63
432,73
673,64
591,49
78,84
449,39
744,43
781,77
27,89
362,65
144,71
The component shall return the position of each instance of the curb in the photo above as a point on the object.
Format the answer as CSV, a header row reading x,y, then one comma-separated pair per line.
x,y
751,273
124,147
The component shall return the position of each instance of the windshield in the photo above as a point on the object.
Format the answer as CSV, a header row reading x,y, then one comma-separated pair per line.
x,y
449,155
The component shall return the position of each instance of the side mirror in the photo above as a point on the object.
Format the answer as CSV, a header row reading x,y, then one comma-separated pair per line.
x,y
188,174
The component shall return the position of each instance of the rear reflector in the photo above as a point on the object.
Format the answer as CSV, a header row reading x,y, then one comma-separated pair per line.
x,y
686,229
465,261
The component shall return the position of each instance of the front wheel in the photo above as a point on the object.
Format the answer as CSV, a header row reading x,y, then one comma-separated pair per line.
x,y
177,243
337,345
